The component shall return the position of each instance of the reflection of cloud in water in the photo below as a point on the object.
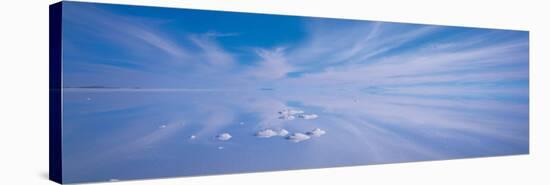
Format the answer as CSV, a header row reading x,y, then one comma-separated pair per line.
x,y
386,129
380,102
214,117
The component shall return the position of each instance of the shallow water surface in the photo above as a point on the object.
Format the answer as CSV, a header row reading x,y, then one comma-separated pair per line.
x,y
118,134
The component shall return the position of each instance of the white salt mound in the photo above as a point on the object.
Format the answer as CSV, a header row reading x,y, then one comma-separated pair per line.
x,y
290,112
308,116
267,133
224,136
287,117
283,132
298,137
317,132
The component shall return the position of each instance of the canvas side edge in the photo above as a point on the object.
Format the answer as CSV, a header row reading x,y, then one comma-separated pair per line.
x,y
55,83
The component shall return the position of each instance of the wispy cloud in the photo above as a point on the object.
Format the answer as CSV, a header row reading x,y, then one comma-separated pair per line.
x,y
218,34
273,64
128,32
212,53
395,92
156,40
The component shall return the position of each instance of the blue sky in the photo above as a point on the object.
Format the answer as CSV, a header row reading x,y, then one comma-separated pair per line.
x,y
383,92
170,48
